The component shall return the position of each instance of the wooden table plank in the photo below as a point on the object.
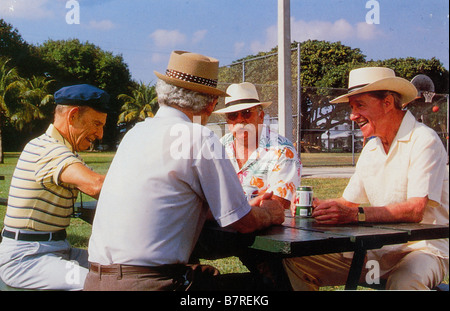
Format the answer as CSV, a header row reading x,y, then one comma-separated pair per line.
x,y
289,242
371,237
417,231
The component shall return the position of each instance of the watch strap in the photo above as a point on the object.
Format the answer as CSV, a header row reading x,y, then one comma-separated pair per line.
x,y
361,214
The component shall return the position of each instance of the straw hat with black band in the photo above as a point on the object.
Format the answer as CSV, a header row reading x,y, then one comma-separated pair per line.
x,y
242,96
193,71
370,79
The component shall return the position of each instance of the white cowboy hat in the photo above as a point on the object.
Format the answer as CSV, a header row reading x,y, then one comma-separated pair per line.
x,y
369,79
193,71
242,96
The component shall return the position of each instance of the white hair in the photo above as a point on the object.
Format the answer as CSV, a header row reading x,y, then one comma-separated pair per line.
x,y
171,95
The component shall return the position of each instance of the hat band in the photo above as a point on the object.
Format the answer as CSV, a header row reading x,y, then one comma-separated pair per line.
x,y
243,101
190,78
357,87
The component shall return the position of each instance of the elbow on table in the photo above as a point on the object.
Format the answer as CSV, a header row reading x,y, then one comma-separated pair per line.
x,y
416,214
412,210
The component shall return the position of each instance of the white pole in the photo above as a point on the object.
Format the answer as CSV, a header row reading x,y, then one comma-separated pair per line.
x,y
299,105
284,70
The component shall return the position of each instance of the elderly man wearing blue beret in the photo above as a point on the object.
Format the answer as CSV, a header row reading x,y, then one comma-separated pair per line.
x,y
34,252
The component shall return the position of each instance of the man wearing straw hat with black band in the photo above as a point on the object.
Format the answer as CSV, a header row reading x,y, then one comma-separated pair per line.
x,y
167,173
264,160
401,175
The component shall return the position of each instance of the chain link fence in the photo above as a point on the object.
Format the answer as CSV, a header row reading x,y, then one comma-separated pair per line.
x,y
321,127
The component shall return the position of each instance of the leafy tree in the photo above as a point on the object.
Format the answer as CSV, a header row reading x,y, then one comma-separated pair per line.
x,y
23,55
74,62
30,103
142,103
409,67
12,45
8,75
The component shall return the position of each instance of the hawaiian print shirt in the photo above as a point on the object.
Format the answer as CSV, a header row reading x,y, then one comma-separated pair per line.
x,y
273,166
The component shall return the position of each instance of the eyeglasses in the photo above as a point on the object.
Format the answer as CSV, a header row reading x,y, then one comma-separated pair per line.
x,y
246,114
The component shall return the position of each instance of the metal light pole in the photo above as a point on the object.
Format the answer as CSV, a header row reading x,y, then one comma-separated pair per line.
x,y
284,70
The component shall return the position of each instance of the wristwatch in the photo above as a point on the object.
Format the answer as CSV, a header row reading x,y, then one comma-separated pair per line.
x,y
361,214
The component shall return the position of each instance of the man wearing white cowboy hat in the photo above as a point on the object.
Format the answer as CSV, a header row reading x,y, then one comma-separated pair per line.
x,y
401,176
263,159
155,200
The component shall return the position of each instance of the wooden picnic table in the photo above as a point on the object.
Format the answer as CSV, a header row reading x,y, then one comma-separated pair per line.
x,y
298,237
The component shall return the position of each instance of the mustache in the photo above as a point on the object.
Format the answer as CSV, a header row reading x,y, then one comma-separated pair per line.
x,y
247,127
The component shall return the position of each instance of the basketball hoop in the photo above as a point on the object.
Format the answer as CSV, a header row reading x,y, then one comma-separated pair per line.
x,y
428,96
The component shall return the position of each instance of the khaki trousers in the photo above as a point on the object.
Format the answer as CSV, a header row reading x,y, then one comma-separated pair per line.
x,y
164,278
414,271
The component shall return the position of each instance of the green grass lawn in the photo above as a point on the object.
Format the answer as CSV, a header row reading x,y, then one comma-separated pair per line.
x,y
79,231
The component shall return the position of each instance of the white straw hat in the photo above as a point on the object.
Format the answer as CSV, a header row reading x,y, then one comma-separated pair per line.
x,y
242,96
369,79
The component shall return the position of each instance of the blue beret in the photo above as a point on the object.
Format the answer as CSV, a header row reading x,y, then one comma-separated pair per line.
x,y
83,95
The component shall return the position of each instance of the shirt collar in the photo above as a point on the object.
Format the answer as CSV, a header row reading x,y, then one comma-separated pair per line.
x,y
53,132
404,132
167,112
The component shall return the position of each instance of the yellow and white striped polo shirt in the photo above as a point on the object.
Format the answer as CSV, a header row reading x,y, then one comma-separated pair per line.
x,y
37,199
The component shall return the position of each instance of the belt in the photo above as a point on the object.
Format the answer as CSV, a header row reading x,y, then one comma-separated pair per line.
x,y
35,237
127,269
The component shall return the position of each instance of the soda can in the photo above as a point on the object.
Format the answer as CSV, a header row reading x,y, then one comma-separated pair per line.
x,y
303,201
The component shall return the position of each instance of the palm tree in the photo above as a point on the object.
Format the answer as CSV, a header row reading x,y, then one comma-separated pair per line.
x,y
32,102
8,75
142,103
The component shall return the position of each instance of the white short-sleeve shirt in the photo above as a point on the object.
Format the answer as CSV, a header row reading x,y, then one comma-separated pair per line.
x,y
415,166
153,203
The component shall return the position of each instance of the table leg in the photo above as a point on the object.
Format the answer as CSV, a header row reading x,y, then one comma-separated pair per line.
x,y
354,273
268,269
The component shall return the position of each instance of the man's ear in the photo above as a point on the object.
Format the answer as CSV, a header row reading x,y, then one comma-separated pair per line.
x,y
262,114
389,103
211,106
72,115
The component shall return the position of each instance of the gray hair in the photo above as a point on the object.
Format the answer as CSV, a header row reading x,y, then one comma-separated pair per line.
x,y
171,95
61,110
383,94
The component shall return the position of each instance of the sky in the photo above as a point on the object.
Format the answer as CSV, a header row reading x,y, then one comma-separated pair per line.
x,y
145,32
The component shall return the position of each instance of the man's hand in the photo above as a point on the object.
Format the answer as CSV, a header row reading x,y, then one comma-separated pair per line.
x,y
265,212
332,212
272,205
257,201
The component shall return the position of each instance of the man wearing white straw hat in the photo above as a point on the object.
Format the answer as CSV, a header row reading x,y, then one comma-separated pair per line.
x,y
166,175
263,159
401,176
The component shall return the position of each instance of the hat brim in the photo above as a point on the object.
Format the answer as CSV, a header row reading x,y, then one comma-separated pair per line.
x,y
192,86
242,106
402,86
